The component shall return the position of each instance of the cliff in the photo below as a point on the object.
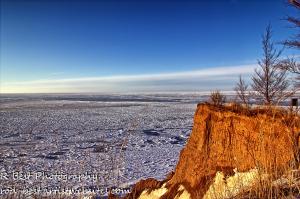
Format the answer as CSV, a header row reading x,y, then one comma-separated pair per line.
x,y
229,146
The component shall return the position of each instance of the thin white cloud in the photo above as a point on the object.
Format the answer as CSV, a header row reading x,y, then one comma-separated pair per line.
x,y
174,80
211,72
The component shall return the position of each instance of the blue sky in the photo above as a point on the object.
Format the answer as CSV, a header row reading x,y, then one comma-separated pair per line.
x,y
101,46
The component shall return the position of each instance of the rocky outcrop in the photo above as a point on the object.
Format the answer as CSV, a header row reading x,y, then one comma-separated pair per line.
x,y
230,142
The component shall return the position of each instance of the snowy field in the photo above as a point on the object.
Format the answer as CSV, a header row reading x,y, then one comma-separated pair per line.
x,y
87,141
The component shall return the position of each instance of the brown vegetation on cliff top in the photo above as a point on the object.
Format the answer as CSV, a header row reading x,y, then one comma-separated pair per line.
x,y
225,138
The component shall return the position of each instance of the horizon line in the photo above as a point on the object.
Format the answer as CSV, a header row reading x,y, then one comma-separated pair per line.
x,y
151,82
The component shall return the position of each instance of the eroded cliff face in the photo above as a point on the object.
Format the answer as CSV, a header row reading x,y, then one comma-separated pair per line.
x,y
228,141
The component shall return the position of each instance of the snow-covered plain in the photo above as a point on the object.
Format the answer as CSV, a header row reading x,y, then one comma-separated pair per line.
x,y
110,140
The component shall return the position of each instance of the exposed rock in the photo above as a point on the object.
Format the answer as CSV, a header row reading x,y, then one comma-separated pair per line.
x,y
144,188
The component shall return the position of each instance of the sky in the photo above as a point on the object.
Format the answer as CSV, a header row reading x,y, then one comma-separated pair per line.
x,y
64,46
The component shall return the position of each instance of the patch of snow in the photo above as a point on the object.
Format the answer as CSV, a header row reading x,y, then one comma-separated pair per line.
x,y
154,194
184,195
223,187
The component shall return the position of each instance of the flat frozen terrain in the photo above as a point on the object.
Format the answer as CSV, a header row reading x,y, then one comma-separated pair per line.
x,y
111,140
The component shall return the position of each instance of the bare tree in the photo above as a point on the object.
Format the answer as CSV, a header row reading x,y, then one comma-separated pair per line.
x,y
295,41
241,90
291,65
269,82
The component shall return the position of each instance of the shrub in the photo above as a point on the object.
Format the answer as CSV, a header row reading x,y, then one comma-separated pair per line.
x,y
217,98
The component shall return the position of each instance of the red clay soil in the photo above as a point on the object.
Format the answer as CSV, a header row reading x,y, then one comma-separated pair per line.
x,y
224,138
